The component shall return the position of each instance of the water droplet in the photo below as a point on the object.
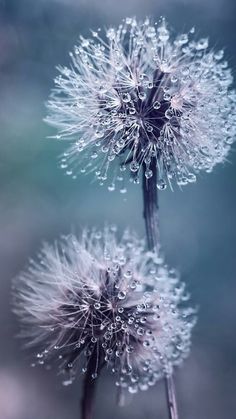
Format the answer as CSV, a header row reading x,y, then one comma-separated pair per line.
x,y
40,355
129,349
111,188
148,173
140,331
142,95
111,34
219,54
174,78
134,166
108,336
132,111
121,295
163,32
128,274
133,389
126,97
156,105
167,96
67,382
133,285
202,44
191,177
182,39
161,185
99,133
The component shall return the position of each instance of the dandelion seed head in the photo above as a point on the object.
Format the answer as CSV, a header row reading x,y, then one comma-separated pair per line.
x,y
100,297
138,93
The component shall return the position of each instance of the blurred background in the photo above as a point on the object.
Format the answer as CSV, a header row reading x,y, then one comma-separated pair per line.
x,y
38,201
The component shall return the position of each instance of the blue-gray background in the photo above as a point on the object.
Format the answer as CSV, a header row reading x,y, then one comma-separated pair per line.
x,y
38,201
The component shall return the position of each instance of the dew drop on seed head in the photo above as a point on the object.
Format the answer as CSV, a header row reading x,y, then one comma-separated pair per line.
x,y
67,382
161,184
156,105
121,295
134,166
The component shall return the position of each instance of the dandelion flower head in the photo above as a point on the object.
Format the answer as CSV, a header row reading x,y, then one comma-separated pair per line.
x,y
96,297
138,95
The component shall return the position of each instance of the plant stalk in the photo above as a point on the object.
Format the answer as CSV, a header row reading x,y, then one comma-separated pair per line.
x,y
151,217
150,213
171,397
89,388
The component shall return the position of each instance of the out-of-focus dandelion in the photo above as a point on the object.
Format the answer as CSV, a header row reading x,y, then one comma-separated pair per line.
x,y
95,300
148,98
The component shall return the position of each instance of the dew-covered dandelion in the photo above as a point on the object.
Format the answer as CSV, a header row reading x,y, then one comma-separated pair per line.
x,y
143,97
96,301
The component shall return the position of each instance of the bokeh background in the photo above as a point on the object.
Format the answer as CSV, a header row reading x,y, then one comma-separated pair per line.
x,y
38,201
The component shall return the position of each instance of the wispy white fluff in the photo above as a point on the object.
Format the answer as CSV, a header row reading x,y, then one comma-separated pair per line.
x,y
99,296
138,93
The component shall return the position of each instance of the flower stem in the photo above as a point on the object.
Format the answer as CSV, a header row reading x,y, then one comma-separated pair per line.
x,y
151,217
150,202
171,397
89,388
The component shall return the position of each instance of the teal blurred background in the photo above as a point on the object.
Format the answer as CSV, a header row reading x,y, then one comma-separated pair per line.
x,y
38,201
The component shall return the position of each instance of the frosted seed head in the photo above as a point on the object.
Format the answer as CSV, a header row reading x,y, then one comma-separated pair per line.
x,y
164,97
99,296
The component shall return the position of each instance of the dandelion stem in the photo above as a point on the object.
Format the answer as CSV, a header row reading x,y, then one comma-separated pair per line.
x,y
151,217
150,202
89,388
171,397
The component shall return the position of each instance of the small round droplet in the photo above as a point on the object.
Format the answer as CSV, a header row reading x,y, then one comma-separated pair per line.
x,y
156,105
126,97
133,389
121,295
142,95
134,166
161,185
67,382
140,331
148,174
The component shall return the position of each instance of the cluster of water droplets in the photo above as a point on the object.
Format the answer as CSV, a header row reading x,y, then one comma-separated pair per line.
x,y
101,300
139,94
